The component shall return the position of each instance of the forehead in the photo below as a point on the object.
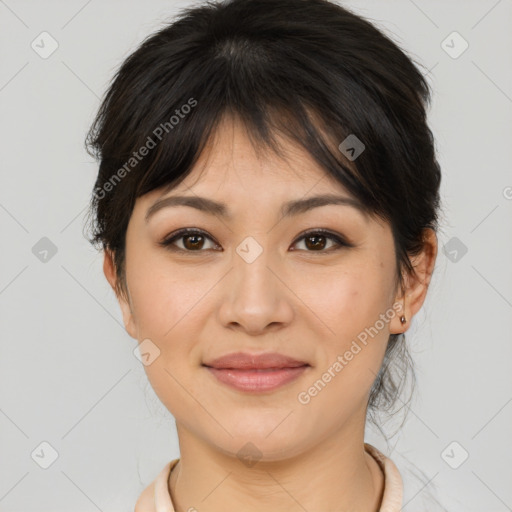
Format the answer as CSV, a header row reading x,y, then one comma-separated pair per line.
x,y
232,160
234,173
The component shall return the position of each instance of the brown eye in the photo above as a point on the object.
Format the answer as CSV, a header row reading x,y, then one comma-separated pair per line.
x,y
318,240
191,241
315,242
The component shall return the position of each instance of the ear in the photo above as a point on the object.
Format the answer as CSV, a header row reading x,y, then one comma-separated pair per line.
x,y
109,270
416,285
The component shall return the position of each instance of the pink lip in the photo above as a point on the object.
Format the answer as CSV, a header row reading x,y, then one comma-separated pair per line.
x,y
251,372
257,380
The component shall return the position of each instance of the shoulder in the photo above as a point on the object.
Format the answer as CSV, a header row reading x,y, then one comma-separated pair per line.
x,y
145,503
156,496
419,491
392,498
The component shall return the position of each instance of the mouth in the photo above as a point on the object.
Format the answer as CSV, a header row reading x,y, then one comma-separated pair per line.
x,y
256,373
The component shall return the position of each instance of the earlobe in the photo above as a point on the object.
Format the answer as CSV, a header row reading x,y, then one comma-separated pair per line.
x,y
110,273
402,318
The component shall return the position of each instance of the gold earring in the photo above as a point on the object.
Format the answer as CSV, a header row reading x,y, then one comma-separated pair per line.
x,y
402,318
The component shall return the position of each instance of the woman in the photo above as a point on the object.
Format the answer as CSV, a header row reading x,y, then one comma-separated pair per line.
x,y
267,202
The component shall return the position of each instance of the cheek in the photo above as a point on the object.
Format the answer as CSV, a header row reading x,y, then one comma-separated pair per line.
x,y
352,305
350,300
170,307
350,355
162,298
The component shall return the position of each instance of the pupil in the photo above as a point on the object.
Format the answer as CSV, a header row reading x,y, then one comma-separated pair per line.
x,y
194,243
316,243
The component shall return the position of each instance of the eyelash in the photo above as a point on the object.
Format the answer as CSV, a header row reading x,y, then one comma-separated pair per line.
x,y
338,239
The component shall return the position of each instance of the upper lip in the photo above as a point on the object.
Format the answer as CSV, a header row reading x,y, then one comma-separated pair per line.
x,y
245,361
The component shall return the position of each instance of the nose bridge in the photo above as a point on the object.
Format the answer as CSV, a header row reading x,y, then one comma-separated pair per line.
x,y
252,276
256,298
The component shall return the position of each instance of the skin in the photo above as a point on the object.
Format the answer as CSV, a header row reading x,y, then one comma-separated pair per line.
x,y
306,302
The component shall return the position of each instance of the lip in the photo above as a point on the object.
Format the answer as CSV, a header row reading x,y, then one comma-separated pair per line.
x,y
246,361
256,372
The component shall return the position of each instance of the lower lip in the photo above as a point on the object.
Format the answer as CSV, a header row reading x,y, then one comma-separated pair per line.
x,y
257,380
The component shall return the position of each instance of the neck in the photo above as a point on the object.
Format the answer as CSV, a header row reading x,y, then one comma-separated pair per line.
x,y
335,475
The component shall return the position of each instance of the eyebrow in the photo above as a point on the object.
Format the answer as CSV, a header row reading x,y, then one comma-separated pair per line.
x,y
288,209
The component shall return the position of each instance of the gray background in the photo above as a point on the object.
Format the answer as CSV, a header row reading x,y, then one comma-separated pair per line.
x,y
68,375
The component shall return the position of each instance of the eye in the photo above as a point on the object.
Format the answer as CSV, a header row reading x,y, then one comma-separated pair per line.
x,y
316,241
193,240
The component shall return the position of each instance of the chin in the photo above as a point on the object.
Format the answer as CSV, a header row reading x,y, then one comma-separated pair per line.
x,y
252,448
273,437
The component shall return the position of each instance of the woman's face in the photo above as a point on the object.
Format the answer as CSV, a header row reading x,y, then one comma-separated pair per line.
x,y
255,282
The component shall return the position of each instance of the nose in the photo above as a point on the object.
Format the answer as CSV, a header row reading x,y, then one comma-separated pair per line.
x,y
256,299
